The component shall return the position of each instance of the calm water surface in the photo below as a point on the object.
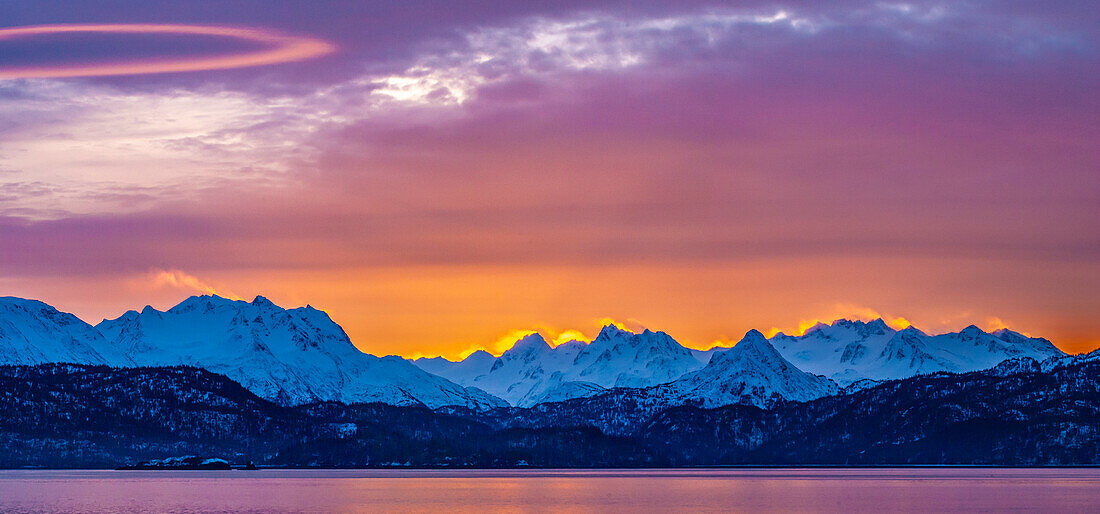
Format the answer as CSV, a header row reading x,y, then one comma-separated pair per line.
x,y
696,490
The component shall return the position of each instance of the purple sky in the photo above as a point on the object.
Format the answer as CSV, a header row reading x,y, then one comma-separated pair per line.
x,y
457,170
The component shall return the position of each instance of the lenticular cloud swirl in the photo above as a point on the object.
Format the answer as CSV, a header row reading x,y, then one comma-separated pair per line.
x,y
279,48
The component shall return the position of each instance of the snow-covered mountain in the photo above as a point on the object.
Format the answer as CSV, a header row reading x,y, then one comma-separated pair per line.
x,y
619,358
855,351
300,355
850,354
529,370
476,364
291,356
752,372
528,373
32,332
533,372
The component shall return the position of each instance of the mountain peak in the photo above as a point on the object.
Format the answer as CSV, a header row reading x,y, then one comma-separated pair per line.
x,y
971,331
479,354
33,332
609,331
128,315
752,372
754,346
819,326
24,302
572,344
864,328
529,343
260,301
1011,336
753,336
911,330
878,323
204,302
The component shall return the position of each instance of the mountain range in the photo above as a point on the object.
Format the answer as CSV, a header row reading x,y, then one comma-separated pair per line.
x,y
291,356
300,356
846,355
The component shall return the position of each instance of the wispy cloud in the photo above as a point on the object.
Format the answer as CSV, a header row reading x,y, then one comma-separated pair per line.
x,y
177,279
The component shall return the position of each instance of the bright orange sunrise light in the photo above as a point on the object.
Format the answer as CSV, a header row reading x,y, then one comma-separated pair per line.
x,y
281,49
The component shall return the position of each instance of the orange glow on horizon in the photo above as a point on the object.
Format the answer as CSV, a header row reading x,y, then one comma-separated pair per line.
x,y
452,311
283,49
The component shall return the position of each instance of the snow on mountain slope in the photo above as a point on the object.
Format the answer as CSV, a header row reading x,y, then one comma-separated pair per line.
x,y
855,351
532,371
301,355
619,358
752,372
853,354
475,364
290,356
704,356
32,332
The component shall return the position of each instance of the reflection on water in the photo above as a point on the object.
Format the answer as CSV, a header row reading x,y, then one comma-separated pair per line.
x,y
707,490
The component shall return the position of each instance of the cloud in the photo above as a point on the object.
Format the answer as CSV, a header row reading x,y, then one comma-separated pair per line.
x,y
92,142
177,279
811,136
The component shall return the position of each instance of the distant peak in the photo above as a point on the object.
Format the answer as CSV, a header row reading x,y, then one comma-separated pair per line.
x,y
260,301
878,323
911,330
754,346
1011,336
528,343
127,316
753,335
609,331
572,343
15,300
480,354
818,327
532,337
1005,334
204,301
971,331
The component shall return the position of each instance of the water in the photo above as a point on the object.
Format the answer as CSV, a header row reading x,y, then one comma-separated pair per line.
x,y
482,491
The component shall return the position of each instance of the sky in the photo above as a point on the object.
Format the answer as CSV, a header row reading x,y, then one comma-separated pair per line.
x,y
441,176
